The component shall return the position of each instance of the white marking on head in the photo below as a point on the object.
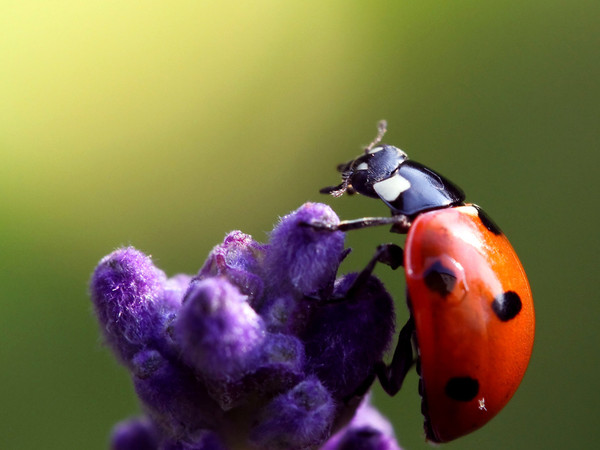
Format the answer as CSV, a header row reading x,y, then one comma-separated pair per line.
x,y
375,150
391,188
362,166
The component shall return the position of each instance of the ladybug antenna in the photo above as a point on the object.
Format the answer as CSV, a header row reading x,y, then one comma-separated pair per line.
x,y
346,168
381,130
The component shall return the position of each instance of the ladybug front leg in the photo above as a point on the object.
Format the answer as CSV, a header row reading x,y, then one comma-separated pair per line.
x,y
391,377
400,224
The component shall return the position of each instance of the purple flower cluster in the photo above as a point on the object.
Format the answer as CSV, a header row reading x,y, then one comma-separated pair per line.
x,y
263,349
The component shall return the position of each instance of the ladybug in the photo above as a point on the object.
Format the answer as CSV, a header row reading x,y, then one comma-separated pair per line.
x,y
471,309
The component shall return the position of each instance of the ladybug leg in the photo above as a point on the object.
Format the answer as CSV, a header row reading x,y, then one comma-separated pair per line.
x,y
361,390
393,256
389,254
392,376
399,223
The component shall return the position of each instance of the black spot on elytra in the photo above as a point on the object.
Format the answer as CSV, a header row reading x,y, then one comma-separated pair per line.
x,y
440,279
507,305
487,221
462,389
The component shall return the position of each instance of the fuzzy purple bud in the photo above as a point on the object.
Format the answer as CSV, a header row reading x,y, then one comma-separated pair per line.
x,y
278,367
301,258
286,313
299,419
136,433
174,290
368,430
239,260
127,293
220,335
364,438
281,363
201,440
172,396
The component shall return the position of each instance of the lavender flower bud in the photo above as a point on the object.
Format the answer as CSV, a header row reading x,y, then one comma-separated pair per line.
x,y
174,290
173,294
127,293
298,419
368,430
201,440
281,364
286,313
139,433
364,438
278,367
219,333
301,259
239,260
172,396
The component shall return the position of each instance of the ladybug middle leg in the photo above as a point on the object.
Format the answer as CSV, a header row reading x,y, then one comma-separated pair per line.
x,y
389,254
391,377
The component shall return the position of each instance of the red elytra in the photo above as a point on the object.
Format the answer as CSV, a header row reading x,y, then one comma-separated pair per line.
x,y
474,339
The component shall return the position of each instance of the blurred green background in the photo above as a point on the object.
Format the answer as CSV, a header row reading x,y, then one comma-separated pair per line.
x,y
166,124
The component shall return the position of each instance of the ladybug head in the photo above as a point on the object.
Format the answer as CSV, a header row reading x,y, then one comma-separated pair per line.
x,y
371,173
406,187
374,172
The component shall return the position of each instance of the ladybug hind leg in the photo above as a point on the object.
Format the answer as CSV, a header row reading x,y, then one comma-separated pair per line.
x,y
393,256
391,377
